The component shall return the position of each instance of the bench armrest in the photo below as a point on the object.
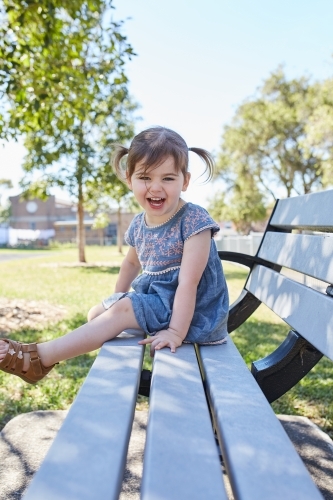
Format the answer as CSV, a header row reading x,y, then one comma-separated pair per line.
x,y
246,303
247,260
238,258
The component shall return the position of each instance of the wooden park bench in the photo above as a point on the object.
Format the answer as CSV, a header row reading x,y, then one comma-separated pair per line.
x,y
202,396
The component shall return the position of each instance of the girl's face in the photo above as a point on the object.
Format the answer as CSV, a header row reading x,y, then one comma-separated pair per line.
x,y
158,190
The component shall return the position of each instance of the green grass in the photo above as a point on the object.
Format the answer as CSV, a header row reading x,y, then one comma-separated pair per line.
x,y
78,288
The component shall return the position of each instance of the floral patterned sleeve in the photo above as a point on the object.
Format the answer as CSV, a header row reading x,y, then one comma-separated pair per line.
x,y
196,220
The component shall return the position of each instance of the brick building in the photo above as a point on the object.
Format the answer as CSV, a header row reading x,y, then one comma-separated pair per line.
x,y
65,231
38,214
58,219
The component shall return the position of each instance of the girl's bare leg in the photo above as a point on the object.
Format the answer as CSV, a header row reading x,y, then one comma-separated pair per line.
x,y
87,337
95,311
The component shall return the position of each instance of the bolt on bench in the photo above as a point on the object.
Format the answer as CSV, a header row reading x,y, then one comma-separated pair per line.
x,y
206,394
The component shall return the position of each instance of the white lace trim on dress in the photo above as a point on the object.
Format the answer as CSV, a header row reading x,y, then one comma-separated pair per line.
x,y
210,226
153,273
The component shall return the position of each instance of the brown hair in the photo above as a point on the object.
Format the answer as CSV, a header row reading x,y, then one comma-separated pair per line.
x,y
153,146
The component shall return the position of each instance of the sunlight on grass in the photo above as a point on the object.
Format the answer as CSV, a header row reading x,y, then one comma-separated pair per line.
x,y
48,278
76,288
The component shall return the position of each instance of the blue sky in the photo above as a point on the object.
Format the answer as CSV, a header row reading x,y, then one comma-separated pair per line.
x,y
197,61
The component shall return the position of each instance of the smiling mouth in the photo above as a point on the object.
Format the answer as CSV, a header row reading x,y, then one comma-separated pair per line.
x,y
156,202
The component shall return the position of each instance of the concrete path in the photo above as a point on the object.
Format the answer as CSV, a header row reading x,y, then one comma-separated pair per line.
x,y
17,256
25,440
315,448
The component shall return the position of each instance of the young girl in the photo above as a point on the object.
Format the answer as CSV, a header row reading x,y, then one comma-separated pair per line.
x,y
181,294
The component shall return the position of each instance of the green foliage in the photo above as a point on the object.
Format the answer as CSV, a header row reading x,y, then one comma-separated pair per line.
x,y
319,129
5,210
6,183
281,138
5,213
65,89
218,208
54,57
245,205
101,220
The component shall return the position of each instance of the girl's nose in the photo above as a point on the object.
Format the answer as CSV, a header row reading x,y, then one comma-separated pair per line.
x,y
155,187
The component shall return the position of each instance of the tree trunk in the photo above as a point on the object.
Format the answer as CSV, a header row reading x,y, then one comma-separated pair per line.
x,y
119,231
81,239
101,237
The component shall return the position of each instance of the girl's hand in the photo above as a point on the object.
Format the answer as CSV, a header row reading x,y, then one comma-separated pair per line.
x,y
164,338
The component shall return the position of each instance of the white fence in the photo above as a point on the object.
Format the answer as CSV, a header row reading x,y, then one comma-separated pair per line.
x,y
242,244
3,235
12,237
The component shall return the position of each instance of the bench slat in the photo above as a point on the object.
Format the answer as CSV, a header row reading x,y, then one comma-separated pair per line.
x,y
307,311
311,255
259,457
311,211
87,458
181,458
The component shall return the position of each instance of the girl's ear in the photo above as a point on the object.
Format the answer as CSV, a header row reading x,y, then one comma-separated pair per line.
x,y
129,182
187,177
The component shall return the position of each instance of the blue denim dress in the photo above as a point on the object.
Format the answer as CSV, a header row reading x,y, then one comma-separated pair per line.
x,y
160,251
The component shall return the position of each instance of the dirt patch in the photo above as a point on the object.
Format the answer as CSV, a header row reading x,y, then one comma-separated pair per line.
x,y
16,314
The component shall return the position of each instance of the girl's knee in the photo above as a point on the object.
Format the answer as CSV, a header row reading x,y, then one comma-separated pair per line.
x,y
95,311
123,306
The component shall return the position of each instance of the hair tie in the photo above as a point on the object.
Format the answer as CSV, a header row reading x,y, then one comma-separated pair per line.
x,y
190,149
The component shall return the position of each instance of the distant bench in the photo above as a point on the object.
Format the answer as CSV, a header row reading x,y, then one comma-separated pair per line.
x,y
204,400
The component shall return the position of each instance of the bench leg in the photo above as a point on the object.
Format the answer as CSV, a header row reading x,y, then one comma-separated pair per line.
x,y
286,366
145,381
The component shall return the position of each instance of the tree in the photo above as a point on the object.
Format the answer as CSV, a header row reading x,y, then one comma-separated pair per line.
x,y
4,208
268,140
103,194
319,129
6,184
65,89
245,205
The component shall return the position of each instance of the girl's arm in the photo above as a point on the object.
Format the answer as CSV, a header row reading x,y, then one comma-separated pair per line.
x,y
194,261
129,270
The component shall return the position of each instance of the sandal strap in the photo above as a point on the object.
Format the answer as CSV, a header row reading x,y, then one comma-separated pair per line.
x,y
36,364
35,361
31,349
14,360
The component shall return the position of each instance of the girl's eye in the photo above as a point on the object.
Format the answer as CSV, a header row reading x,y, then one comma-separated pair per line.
x,y
169,179
144,178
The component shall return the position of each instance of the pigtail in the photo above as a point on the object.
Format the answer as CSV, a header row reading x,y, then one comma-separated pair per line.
x,y
207,159
116,163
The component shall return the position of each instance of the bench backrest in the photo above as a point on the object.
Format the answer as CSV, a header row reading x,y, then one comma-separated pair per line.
x,y
308,311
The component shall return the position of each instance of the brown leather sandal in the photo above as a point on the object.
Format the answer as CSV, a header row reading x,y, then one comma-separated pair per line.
x,y
13,362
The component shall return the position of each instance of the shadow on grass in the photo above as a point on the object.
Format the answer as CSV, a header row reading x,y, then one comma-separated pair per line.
x,y
100,269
